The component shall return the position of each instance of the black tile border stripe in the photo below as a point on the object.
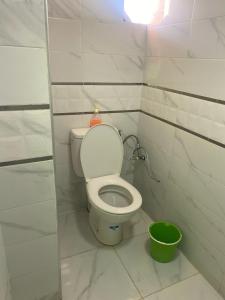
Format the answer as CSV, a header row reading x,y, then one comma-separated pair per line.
x,y
209,99
24,107
96,83
101,112
184,129
25,161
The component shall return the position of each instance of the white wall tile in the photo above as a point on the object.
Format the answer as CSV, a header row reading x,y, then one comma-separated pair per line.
x,y
25,69
32,257
65,66
38,285
64,9
207,8
197,152
222,287
99,68
207,39
4,276
169,40
65,35
198,76
90,50
112,68
39,180
25,134
22,23
119,38
200,116
29,222
88,97
27,190
104,11
179,11
166,132
129,68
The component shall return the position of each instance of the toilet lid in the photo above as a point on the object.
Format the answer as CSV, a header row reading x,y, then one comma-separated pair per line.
x,y
101,152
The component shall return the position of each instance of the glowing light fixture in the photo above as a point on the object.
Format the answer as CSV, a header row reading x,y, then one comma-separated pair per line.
x,y
146,11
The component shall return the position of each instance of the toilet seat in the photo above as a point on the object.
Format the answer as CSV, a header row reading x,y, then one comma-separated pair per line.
x,y
95,185
101,152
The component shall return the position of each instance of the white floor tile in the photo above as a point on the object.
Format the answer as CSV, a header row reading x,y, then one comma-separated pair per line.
x,y
149,275
146,218
96,275
75,235
194,288
134,226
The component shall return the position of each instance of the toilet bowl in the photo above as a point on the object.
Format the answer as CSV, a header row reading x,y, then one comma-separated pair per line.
x,y
112,200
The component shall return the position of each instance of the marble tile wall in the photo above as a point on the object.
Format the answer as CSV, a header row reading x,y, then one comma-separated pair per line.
x,y
4,273
188,55
28,237
84,98
89,42
185,53
95,48
190,193
202,117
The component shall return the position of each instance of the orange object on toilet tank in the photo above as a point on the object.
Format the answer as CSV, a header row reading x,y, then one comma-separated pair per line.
x,y
96,118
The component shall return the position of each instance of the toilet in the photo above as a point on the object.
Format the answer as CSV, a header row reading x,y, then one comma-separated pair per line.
x,y
97,155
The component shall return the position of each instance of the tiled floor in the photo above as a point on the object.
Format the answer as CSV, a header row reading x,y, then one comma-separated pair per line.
x,y
91,271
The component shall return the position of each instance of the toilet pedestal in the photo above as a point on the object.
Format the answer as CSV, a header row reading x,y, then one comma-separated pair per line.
x,y
107,233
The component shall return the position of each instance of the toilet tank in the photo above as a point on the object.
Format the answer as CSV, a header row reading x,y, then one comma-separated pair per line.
x,y
76,136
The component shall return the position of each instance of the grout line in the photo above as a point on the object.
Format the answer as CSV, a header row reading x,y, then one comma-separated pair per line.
x,y
173,284
100,112
25,161
79,253
192,19
97,83
114,248
186,58
24,205
24,107
24,46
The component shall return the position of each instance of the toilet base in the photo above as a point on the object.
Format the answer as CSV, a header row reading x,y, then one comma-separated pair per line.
x,y
105,232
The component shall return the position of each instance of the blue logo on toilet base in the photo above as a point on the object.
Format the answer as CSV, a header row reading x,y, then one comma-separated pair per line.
x,y
114,227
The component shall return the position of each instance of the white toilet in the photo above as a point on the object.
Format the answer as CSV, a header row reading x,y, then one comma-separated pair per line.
x,y
97,154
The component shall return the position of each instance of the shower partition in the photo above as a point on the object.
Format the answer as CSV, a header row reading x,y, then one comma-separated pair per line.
x,y
28,236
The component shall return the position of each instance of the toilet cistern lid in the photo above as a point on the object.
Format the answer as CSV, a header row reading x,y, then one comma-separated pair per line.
x,y
101,152
78,133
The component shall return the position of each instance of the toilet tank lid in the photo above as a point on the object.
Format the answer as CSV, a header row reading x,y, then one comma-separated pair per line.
x,y
79,133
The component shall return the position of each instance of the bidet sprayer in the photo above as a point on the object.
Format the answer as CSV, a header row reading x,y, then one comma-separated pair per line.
x,y
139,153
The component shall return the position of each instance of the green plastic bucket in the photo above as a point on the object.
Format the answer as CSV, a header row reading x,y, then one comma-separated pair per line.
x,y
164,238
